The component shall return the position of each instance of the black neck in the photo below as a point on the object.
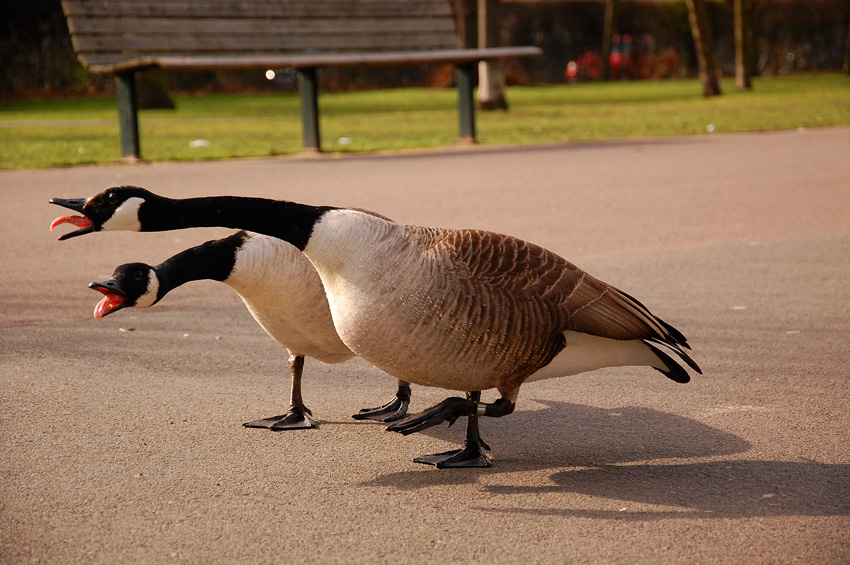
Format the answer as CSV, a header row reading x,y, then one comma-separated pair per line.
x,y
288,221
212,260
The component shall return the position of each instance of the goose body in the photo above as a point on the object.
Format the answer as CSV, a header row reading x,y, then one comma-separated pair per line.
x,y
464,310
473,310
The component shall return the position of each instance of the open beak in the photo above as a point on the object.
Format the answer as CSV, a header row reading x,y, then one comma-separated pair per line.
x,y
82,222
113,297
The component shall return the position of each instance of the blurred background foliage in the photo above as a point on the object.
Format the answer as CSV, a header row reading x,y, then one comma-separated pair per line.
x,y
790,35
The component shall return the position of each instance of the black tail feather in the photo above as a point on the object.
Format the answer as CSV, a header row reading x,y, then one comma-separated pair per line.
x,y
654,342
675,371
678,336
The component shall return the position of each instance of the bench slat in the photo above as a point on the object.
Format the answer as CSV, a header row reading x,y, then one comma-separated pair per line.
x,y
217,26
266,44
233,62
253,9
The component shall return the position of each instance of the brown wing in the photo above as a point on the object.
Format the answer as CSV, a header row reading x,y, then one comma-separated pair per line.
x,y
551,291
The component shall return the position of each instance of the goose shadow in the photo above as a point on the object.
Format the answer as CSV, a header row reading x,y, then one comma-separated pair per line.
x,y
611,457
714,489
573,435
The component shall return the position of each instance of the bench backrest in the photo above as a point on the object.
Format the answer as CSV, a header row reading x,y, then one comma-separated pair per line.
x,y
105,32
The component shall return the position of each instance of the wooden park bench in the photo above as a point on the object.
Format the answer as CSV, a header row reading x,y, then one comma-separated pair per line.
x,y
125,36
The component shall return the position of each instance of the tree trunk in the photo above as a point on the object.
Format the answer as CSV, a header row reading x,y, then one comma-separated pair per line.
x,y
491,74
607,34
846,67
743,43
466,22
704,46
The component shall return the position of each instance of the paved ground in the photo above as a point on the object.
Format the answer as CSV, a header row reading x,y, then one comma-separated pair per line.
x,y
121,438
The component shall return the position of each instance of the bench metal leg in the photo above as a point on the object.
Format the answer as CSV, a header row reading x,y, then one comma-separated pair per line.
x,y
466,109
128,122
308,90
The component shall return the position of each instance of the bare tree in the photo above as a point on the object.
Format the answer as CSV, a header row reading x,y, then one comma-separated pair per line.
x,y
607,34
704,45
491,74
846,67
467,27
744,55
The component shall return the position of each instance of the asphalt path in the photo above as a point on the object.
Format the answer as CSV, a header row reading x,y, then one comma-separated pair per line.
x,y
122,441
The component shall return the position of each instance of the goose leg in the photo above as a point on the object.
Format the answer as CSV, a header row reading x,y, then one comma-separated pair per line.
x,y
472,454
450,410
298,416
393,410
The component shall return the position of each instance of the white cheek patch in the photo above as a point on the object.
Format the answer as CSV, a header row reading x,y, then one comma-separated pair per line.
x,y
149,297
126,217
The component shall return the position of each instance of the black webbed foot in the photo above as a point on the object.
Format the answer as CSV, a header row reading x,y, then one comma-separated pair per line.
x,y
471,455
298,418
448,410
391,411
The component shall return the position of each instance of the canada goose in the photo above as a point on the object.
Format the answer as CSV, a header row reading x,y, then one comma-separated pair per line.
x,y
281,290
464,310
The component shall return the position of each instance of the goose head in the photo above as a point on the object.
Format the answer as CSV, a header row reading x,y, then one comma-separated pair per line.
x,y
116,208
133,285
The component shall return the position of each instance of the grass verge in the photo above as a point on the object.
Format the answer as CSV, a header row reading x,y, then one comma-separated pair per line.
x,y
37,134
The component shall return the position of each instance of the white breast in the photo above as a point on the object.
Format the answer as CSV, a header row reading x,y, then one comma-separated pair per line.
x,y
285,295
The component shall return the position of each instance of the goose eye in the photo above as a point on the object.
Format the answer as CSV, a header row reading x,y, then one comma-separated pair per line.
x,y
139,275
111,196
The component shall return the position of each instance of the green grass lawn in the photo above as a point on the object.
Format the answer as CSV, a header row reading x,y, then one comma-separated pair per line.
x,y
69,132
